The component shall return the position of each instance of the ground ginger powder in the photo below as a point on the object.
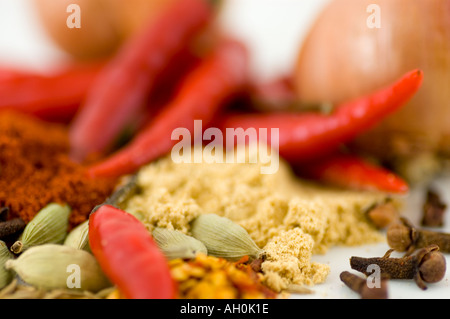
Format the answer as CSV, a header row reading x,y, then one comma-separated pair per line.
x,y
291,219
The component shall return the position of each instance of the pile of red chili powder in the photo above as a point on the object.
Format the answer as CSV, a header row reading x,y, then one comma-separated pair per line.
x,y
35,170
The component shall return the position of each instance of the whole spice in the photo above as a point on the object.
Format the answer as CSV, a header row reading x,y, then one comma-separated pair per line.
x,y
403,236
174,244
289,218
219,77
128,255
17,290
208,277
126,188
36,170
126,82
48,226
305,137
51,266
6,276
433,210
51,97
383,214
79,237
11,227
350,171
4,214
426,266
224,238
275,95
360,286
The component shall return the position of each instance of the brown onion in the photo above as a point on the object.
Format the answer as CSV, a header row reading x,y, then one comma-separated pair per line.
x,y
342,58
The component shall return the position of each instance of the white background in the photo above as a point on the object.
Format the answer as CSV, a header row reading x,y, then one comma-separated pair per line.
x,y
273,30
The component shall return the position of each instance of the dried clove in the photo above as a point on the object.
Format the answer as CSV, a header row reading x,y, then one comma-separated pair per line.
x,y
426,266
433,210
360,286
384,214
403,236
11,227
4,214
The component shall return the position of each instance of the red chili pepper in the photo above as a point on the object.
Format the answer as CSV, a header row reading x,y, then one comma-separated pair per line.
x,y
275,95
201,96
129,256
123,87
349,171
52,97
307,136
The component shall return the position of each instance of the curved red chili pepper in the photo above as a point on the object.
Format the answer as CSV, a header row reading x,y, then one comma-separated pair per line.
x,y
128,255
53,97
274,95
122,88
201,96
307,136
350,171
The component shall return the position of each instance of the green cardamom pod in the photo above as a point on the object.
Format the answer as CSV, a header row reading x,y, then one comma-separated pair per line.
x,y
53,266
174,244
79,237
224,238
6,275
48,226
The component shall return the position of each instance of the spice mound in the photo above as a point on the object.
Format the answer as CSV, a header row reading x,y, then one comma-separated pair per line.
x,y
289,219
206,277
35,170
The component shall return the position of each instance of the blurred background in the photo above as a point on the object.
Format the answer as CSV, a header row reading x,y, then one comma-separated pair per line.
x,y
272,29
326,48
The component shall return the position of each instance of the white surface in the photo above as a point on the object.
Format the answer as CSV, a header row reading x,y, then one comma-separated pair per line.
x,y
273,30
338,259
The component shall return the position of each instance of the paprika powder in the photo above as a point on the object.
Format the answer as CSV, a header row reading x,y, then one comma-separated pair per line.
x,y
35,170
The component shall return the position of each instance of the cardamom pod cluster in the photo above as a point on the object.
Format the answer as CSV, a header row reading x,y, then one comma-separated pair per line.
x,y
79,237
53,266
174,244
224,238
48,226
6,275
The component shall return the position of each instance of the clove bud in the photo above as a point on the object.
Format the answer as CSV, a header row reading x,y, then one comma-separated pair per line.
x,y
384,214
359,285
428,265
403,236
433,210
11,227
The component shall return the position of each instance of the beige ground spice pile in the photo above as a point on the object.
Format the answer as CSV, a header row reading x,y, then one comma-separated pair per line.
x,y
291,219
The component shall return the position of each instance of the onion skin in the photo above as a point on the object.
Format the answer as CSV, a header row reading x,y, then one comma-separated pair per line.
x,y
105,24
342,58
